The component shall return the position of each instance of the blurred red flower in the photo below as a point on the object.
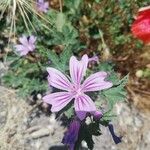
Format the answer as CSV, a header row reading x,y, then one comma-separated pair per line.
x,y
141,26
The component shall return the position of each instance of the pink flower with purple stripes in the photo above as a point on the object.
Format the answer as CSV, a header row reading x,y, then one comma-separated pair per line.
x,y
74,88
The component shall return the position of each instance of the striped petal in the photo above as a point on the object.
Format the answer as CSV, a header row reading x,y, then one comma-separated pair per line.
x,y
84,104
78,69
58,80
95,82
58,100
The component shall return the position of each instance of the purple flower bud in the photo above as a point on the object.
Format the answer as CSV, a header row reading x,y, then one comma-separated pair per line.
x,y
94,59
71,135
97,115
116,139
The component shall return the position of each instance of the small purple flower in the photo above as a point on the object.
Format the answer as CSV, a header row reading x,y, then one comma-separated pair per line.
x,y
42,6
116,139
27,45
71,135
94,59
73,89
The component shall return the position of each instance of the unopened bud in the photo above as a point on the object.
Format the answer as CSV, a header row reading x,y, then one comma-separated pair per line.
x,y
39,96
97,115
139,73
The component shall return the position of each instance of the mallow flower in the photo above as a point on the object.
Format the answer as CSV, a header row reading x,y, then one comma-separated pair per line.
x,y
71,135
42,6
75,88
27,44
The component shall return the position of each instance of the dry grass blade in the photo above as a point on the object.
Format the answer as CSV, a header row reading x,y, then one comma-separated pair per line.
x,y
35,12
24,8
23,16
3,7
13,23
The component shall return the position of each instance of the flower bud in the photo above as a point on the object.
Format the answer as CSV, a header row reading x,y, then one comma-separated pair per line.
x,y
97,115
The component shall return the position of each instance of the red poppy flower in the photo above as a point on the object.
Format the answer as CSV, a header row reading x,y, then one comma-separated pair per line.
x,y
141,26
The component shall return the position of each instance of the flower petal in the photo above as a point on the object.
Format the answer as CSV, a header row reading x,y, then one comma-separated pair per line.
x,y
116,138
58,100
84,104
32,39
21,49
40,1
23,40
141,26
140,29
95,82
46,5
71,136
58,80
31,47
23,53
144,11
78,68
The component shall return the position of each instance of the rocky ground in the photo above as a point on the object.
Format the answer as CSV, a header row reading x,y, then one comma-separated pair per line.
x,y
26,127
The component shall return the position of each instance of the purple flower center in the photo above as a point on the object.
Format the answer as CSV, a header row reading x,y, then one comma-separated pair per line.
x,y
76,90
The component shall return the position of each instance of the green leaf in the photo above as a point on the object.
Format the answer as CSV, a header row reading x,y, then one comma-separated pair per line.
x,y
124,80
113,77
64,58
85,135
60,21
70,112
72,4
77,3
53,57
106,66
97,1
94,128
107,116
114,95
